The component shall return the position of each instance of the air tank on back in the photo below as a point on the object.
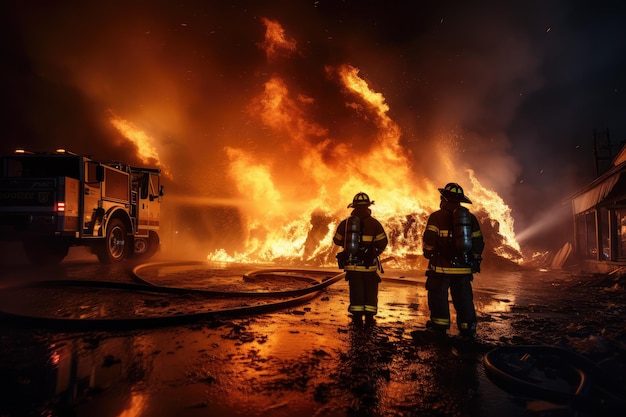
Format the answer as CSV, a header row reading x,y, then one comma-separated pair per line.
x,y
462,231
352,236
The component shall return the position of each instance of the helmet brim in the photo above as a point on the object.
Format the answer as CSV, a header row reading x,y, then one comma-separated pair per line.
x,y
450,196
352,205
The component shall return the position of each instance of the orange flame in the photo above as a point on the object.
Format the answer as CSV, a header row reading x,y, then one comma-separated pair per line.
x,y
499,215
279,111
276,42
293,217
146,148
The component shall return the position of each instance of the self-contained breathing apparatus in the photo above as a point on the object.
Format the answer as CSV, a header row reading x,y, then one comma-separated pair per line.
x,y
458,248
354,252
352,240
462,233
456,245
351,243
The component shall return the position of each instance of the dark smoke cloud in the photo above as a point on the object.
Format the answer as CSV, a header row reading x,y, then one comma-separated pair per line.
x,y
515,90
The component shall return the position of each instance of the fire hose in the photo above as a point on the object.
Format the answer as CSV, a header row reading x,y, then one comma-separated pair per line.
x,y
286,299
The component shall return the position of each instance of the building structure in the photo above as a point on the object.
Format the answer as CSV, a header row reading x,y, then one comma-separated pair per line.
x,y
599,211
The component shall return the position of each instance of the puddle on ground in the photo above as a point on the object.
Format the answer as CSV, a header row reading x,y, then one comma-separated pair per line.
x,y
306,360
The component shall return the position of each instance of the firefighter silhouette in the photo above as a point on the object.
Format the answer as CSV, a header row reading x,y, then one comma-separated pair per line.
x,y
453,244
363,239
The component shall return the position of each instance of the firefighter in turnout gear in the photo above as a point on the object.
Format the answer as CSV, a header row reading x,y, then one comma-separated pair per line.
x,y
453,244
363,239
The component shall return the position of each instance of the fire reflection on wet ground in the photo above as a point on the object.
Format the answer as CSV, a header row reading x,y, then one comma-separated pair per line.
x,y
304,360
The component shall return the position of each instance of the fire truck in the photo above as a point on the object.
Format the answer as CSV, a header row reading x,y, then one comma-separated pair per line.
x,y
52,201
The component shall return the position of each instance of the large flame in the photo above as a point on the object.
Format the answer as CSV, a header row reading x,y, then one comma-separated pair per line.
x,y
499,217
292,191
299,192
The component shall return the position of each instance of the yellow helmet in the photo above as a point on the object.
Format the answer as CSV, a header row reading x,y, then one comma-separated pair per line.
x,y
453,192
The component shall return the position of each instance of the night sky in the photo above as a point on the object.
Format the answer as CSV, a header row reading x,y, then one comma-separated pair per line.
x,y
519,86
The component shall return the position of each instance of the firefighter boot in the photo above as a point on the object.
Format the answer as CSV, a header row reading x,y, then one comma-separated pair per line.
x,y
468,331
357,319
437,332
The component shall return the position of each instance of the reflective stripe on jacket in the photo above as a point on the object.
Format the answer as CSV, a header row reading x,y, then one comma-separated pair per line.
x,y
373,237
438,242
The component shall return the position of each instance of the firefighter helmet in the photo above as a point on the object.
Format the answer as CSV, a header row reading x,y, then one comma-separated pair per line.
x,y
453,192
361,200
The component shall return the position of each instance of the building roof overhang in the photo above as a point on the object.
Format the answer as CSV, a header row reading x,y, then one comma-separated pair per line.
x,y
599,189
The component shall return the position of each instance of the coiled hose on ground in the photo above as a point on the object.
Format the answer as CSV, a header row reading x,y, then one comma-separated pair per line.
x,y
283,299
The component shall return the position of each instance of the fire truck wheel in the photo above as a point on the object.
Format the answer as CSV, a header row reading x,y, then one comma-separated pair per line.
x,y
146,248
115,247
45,252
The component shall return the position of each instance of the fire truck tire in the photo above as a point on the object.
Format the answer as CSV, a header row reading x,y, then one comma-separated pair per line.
x,y
146,248
115,247
45,251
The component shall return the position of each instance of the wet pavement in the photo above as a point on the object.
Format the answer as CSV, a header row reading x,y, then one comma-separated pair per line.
x,y
305,359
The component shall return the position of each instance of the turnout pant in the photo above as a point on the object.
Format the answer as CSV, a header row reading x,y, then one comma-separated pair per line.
x,y
363,292
460,287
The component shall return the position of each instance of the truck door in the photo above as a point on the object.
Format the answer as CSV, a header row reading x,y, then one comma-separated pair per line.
x,y
91,200
149,207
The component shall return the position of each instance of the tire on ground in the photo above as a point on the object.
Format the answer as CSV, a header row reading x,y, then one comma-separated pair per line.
x,y
115,247
145,248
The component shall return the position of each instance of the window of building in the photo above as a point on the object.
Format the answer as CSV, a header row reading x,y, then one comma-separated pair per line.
x,y
621,233
586,236
603,221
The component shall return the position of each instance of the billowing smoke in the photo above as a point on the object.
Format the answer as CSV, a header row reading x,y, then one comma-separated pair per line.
x,y
278,113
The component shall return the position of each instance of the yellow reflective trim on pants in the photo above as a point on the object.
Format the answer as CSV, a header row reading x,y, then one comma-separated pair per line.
x,y
356,309
371,309
361,268
451,271
441,322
